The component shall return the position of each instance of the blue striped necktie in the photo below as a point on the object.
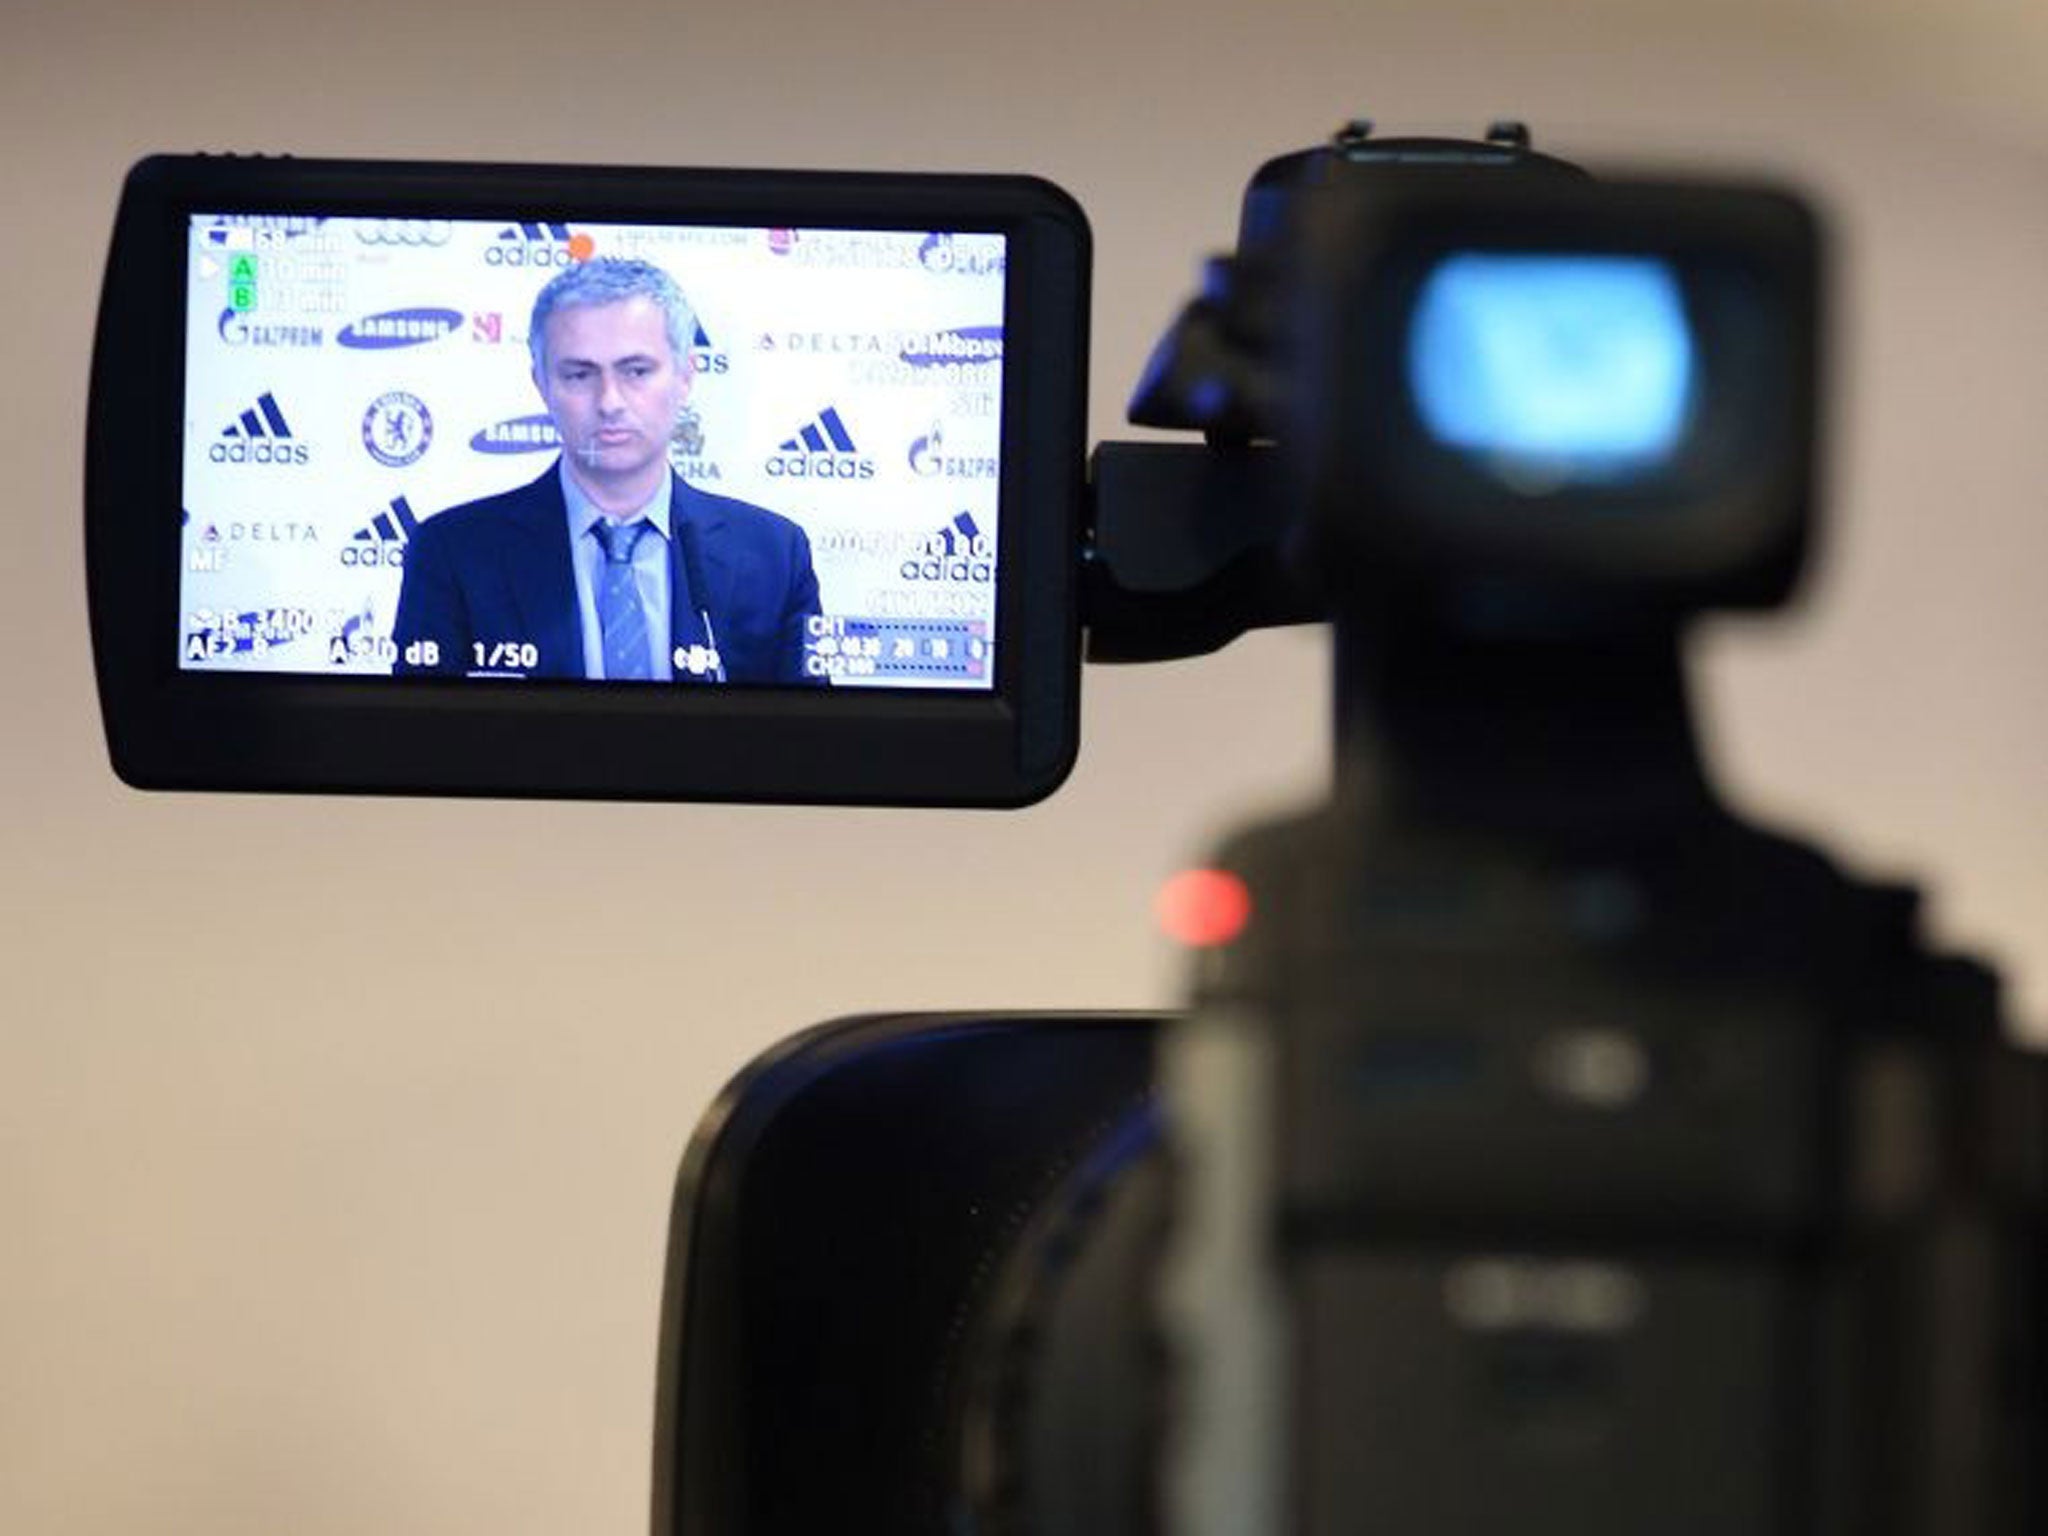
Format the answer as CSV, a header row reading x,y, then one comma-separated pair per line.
x,y
619,612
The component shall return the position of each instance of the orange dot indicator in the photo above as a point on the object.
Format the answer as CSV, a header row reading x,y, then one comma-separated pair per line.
x,y
1203,907
581,247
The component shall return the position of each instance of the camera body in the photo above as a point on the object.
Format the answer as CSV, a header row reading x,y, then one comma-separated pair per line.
x,y
1603,1178
1542,1147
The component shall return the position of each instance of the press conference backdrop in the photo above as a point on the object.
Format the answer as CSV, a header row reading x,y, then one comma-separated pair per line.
x,y
349,377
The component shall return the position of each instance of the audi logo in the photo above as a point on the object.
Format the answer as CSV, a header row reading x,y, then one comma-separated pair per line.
x,y
405,231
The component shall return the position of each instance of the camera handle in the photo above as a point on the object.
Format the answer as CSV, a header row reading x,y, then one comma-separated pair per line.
x,y
1183,551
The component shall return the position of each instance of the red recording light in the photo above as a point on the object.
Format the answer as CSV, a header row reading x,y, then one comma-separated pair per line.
x,y
1203,907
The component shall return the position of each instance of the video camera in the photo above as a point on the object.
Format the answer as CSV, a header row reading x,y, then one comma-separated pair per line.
x,y
1542,1145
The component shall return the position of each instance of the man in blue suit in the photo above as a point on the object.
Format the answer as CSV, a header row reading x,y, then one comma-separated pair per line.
x,y
609,567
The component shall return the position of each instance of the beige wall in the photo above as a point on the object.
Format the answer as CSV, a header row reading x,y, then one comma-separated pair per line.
x,y
353,1221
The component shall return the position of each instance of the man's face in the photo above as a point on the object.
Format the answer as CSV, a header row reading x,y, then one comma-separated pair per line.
x,y
614,386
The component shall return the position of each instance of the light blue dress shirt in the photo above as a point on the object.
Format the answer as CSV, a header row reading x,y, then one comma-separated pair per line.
x,y
650,573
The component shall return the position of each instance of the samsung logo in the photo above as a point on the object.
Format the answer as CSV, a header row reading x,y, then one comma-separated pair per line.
x,y
399,328
520,434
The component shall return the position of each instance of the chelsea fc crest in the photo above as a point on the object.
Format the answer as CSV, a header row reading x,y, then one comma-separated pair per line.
x,y
397,429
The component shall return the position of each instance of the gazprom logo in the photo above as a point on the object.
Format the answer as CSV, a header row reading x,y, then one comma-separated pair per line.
x,y
518,434
238,330
399,328
962,346
928,458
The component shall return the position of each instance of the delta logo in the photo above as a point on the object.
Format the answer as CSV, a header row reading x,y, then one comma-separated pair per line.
x,y
260,531
537,245
964,346
821,449
381,541
518,434
399,328
259,435
959,553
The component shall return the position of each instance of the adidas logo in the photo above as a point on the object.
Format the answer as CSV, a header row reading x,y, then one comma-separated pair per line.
x,y
962,536
381,541
530,245
825,435
821,449
705,356
260,435
958,553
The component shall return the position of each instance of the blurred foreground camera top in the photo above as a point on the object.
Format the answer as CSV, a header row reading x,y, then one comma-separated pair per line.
x,y
1469,384
1589,392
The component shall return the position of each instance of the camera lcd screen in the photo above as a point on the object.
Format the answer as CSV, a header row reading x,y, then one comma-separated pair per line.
x,y
624,482
1560,368
801,429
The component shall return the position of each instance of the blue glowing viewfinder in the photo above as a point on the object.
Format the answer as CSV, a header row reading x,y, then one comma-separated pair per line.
x,y
1555,369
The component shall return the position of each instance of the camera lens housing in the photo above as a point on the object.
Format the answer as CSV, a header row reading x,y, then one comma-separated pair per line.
x,y
1602,392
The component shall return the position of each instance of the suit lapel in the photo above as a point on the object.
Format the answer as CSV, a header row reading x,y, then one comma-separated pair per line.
x,y
702,513
542,579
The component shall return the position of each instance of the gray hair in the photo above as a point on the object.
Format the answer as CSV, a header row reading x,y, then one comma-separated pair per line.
x,y
613,280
